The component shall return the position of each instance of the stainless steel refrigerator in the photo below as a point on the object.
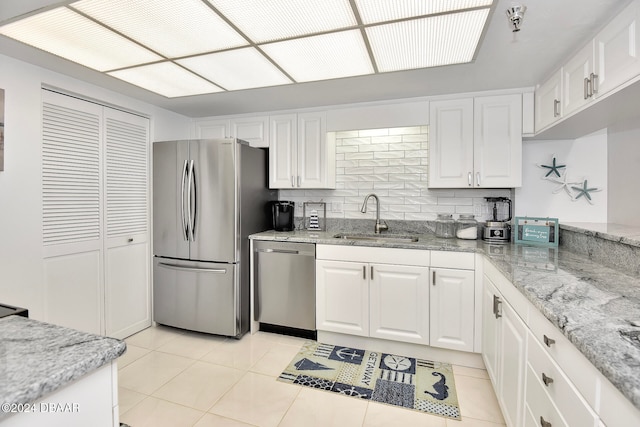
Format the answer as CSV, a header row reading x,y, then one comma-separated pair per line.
x,y
208,196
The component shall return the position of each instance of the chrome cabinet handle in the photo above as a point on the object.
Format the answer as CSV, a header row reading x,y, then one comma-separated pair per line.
x,y
585,89
544,423
478,179
130,239
433,278
298,180
496,306
548,341
185,227
594,83
364,271
556,110
293,181
469,179
546,380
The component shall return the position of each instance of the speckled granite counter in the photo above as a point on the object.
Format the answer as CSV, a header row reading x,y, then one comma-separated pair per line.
x,y
38,358
589,302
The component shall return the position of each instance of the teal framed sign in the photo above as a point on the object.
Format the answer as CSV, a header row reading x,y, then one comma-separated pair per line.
x,y
536,231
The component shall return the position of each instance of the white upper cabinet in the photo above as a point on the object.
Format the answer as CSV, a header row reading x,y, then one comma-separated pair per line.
x,y
212,129
548,101
476,142
616,51
301,155
254,130
497,141
577,75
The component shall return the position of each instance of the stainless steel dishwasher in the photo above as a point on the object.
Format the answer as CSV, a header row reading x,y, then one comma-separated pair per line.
x,y
285,284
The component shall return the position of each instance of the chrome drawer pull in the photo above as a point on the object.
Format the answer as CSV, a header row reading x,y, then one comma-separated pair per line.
x,y
546,380
548,341
496,306
544,423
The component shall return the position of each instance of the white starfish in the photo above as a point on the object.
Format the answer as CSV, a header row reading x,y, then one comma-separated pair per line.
x,y
564,182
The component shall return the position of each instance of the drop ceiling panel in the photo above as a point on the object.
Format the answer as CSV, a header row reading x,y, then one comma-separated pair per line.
x,y
372,11
264,20
167,79
76,38
322,57
172,28
237,69
427,42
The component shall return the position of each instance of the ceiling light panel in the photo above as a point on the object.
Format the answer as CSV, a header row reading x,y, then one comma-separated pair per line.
x,y
167,79
237,69
172,28
78,39
268,20
322,57
427,42
372,11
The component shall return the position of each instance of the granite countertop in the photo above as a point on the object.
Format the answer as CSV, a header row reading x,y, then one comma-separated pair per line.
x,y
596,307
37,358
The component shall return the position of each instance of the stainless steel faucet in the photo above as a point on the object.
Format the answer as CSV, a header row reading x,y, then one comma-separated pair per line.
x,y
380,226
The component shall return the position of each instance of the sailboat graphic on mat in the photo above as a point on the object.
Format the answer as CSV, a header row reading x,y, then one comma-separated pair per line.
x,y
309,365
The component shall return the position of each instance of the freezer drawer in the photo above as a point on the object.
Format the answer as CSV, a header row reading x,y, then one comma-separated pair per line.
x,y
198,296
285,284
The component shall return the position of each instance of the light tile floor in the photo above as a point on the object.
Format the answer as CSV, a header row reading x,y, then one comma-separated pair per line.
x,y
169,377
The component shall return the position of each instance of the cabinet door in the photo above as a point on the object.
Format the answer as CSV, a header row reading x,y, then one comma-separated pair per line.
x,y
313,154
254,130
617,55
452,294
548,102
282,152
512,352
399,302
497,141
451,144
490,330
342,297
576,84
211,129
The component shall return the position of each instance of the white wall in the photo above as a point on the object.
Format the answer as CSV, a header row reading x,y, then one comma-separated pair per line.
x,y
585,158
21,271
392,163
624,165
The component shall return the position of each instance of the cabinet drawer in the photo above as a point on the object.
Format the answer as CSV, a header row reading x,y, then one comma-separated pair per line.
x,y
376,255
538,405
569,359
447,259
567,399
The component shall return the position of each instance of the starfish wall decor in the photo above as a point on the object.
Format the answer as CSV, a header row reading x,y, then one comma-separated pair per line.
x,y
574,189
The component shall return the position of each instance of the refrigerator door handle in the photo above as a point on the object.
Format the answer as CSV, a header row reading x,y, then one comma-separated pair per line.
x,y
192,190
196,269
185,226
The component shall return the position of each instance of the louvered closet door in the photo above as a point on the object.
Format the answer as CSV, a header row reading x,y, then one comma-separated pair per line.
x,y
127,257
71,211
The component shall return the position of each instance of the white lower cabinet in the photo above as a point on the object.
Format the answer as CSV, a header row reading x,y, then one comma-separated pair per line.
x,y
451,308
399,302
504,343
342,297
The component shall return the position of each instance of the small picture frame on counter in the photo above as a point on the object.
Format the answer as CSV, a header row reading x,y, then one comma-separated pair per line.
x,y
536,231
314,215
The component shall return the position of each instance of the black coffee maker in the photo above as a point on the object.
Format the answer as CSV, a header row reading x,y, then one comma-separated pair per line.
x,y
282,213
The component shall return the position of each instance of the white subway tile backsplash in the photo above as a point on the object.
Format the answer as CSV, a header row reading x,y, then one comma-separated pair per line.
x,y
393,164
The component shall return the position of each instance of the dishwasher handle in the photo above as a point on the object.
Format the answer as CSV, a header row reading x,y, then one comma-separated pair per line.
x,y
279,251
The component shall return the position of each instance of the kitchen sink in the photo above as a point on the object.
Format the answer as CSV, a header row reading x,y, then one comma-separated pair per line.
x,y
389,238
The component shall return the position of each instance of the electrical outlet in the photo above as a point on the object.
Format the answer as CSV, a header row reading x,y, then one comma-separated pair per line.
x,y
336,207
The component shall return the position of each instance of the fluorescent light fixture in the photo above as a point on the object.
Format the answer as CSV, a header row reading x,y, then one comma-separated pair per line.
x,y
323,57
172,28
237,69
372,11
267,20
428,42
78,39
167,79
